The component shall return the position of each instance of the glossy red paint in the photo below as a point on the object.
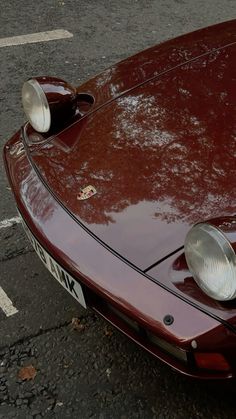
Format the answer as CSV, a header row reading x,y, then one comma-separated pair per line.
x,y
158,144
161,156
109,278
178,278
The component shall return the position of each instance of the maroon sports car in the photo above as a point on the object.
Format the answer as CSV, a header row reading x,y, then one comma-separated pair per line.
x,y
126,188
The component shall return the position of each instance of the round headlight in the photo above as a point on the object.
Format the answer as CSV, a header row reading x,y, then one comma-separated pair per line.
x,y
36,106
212,261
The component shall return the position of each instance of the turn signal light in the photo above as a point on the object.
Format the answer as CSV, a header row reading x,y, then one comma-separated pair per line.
x,y
211,361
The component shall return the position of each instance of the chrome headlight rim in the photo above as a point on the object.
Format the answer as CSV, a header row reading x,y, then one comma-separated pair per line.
x,y
229,257
45,108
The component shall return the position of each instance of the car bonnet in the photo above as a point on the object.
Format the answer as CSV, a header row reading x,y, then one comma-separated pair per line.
x,y
160,157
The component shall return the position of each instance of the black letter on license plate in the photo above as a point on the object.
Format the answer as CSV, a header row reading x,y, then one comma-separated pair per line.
x,y
71,284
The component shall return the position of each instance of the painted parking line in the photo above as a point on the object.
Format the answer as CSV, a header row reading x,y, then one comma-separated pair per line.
x,y
9,222
6,304
35,37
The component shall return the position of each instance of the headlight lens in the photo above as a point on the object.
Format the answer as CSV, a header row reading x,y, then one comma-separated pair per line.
x,y
212,261
36,106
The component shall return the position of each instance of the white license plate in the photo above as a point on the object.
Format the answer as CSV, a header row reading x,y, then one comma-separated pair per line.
x,y
65,279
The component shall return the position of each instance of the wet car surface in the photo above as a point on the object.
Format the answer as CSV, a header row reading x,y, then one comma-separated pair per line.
x,y
30,264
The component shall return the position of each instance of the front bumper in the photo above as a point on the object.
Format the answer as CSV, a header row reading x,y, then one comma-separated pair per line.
x,y
123,295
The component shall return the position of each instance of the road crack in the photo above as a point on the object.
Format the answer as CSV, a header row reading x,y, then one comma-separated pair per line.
x,y
41,332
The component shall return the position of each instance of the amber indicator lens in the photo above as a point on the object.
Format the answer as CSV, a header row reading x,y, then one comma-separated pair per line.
x,y
211,361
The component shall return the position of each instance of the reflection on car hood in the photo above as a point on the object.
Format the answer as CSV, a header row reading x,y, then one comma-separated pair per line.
x,y
161,157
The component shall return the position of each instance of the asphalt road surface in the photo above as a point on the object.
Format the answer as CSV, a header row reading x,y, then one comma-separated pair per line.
x,y
93,372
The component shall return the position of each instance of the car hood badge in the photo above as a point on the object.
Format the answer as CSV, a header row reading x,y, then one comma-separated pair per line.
x,y
86,193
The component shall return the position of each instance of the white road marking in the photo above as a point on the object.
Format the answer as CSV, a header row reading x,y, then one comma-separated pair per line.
x,y
6,304
35,37
8,222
